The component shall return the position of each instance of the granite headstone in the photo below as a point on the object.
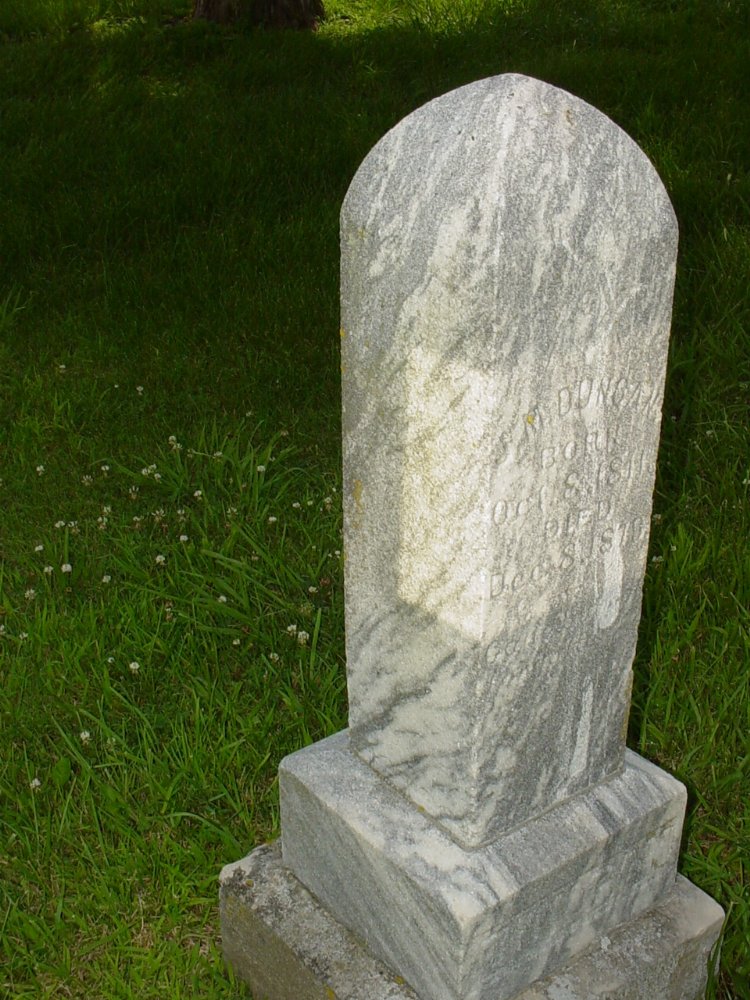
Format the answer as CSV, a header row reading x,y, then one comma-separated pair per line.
x,y
508,260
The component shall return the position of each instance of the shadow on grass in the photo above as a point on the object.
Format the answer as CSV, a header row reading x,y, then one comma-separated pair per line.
x,y
180,185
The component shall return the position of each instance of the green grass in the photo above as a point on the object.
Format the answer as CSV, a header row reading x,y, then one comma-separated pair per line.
x,y
170,222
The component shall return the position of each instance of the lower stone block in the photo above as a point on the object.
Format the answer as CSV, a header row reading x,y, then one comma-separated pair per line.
x,y
286,946
476,924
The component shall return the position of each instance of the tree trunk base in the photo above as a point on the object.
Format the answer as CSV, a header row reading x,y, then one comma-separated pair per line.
x,y
219,11
300,14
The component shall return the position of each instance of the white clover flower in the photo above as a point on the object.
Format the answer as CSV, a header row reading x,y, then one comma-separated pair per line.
x,y
337,553
106,578
657,518
105,469
30,594
291,629
157,477
327,502
657,559
2,630
23,636
160,560
218,454
183,538
84,736
134,667
274,657
272,519
312,590
309,503
66,568
35,784
221,599
40,470
61,368
133,492
296,505
261,468
236,642
254,557
198,494
87,480
59,524
137,519
39,547
302,638
110,659
139,390
49,570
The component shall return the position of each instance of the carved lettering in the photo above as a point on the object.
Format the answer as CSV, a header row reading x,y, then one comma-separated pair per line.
x,y
505,583
607,391
572,486
579,515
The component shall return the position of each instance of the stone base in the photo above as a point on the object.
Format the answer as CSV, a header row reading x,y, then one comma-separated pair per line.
x,y
476,924
280,940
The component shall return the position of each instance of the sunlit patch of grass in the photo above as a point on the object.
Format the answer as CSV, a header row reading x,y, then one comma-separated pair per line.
x,y
161,648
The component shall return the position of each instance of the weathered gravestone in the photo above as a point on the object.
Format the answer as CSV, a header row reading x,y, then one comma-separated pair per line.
x,y
508,259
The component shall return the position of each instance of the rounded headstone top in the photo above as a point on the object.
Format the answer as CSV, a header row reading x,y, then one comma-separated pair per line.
x,y
503,136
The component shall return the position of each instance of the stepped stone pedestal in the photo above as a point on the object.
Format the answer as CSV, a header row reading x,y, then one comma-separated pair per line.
x,y
281,941
480,831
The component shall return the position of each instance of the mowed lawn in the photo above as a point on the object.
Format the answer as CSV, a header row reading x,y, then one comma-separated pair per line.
x,y
171,604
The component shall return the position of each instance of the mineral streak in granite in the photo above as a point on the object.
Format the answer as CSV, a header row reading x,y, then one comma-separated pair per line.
x,y
508,261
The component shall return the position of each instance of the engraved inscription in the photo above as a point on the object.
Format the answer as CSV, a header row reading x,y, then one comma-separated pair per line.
x,y
567,473
608,392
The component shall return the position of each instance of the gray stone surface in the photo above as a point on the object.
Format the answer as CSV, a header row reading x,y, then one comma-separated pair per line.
x,y
477,924
507,266
288,947
280,941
